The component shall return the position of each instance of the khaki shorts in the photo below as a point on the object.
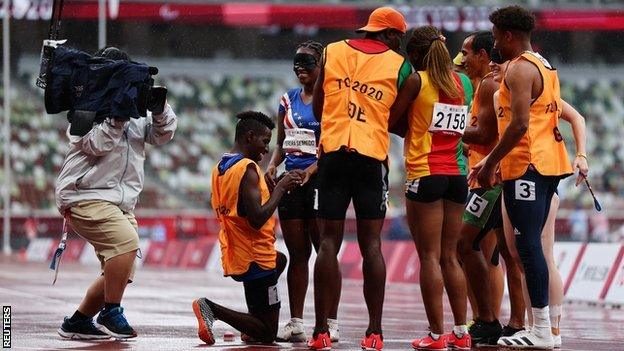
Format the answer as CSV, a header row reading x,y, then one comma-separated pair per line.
x,y
111,231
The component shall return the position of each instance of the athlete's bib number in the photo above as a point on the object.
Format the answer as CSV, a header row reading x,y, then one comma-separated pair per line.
x,y
476,205
300,140
273,295
316,201
525,190
449,118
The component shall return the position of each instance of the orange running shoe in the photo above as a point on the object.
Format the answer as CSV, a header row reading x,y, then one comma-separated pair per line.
x,y
428,343
320,341
205,319
372,342
463,343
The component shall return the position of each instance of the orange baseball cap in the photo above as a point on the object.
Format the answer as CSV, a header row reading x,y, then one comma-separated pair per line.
x,y
384,18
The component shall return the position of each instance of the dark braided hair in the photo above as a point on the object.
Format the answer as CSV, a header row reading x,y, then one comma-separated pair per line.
x,y
312,45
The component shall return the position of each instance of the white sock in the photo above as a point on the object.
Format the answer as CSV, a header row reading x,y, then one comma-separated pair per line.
x,y
460,330
297,320
435,336
555,316
329,320
541,319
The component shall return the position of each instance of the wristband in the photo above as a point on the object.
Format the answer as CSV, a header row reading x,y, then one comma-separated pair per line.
x,y
582,155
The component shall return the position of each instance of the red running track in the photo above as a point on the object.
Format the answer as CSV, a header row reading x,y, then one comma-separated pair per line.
x,y
158,305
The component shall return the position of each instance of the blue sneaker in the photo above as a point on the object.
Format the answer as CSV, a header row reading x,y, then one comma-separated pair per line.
x,y
114,323
83,330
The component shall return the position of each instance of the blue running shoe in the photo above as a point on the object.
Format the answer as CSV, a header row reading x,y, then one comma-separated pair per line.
x,y
114,323
83,330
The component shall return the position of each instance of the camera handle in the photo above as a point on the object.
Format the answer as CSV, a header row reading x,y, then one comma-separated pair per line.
x,y
47,50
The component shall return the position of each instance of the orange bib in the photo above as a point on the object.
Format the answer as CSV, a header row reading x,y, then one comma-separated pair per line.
x,y
542,145
359,90
241,244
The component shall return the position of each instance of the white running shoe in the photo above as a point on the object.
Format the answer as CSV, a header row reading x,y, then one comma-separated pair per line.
x,y
533,339
557,341
293,331
334,331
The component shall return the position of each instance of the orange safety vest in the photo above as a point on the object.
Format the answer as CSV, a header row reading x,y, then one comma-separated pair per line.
x,y
241,244
359,89
542,145
476,152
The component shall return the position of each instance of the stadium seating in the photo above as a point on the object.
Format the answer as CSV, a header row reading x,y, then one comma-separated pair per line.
x,y
178,174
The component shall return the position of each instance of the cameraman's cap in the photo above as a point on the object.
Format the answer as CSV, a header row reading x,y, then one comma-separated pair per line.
x,y
384,18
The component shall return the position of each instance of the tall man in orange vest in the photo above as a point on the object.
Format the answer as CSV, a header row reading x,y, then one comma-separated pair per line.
x,y
244,208
358,83
531,155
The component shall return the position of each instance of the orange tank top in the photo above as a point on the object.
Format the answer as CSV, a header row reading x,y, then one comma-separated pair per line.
x,y
542,145
241,244
436,123
476,152
360,86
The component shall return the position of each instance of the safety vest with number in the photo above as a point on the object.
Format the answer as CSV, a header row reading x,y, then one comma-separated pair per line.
x,y
542,145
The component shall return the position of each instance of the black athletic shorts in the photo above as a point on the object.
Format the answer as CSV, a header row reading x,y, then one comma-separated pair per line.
x,y
435,187
261,294
299,202
343,176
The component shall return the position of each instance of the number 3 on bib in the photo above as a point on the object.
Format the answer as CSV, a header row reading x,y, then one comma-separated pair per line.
x,y
448,118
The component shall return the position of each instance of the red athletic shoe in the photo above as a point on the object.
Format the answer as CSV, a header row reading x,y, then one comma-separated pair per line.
x,y
463,343
321,341
205,320
372,342
427,343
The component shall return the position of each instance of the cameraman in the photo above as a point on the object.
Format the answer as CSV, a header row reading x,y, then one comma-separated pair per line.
x,y
96,192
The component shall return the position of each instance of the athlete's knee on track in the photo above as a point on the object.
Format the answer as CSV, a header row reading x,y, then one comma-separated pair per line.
x,y
268,333
267,336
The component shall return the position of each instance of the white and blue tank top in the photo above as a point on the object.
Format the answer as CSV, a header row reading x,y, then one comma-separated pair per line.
x,y
302,130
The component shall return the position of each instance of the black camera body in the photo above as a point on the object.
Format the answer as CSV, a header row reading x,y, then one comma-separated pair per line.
x,y
92,88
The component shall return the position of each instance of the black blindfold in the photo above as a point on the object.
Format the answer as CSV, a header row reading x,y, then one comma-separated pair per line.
x,y
305,62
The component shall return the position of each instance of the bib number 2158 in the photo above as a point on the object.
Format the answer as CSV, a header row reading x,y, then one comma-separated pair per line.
x,y
449,118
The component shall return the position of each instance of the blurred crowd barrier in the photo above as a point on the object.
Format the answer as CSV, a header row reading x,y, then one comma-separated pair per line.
x,y
591,272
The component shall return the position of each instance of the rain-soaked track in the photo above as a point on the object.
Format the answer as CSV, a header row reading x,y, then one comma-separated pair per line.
x,y
158,305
